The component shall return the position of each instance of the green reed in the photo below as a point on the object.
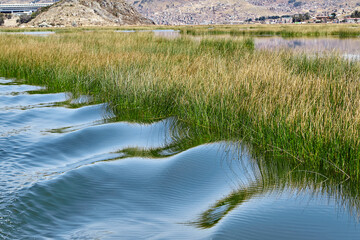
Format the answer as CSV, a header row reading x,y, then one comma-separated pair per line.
x,y
287,106
287,30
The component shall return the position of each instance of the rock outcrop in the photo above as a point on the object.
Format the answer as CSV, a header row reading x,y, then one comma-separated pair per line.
x,y
89,13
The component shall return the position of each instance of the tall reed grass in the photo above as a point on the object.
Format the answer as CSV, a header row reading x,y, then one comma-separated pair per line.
x,y
285,30
304,110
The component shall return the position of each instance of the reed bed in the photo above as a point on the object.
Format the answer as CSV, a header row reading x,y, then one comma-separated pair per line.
x,y
288,106
283,30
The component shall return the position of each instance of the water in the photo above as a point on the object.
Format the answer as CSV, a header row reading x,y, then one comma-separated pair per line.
x,y
36,33
70,170
347,47
165,33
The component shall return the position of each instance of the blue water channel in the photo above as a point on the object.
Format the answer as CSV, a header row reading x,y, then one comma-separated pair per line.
x,y
70,170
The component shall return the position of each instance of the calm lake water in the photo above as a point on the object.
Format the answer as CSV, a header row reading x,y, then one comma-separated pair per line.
x,y
34,33
347,47
165,33
70,170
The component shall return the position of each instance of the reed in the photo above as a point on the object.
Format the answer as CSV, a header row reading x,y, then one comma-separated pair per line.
x,y
286,30
287,106
283,30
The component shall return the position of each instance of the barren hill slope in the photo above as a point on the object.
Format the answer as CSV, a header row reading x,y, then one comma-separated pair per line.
x,y
90,13
227,11
197,11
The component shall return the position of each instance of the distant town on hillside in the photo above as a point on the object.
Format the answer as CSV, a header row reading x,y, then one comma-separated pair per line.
x,y
181,12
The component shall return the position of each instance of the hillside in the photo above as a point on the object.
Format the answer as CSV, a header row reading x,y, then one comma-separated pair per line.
x,y
227,11
90,13
197,11
232,11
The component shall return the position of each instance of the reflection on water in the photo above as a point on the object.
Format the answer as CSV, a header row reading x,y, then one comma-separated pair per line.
x,y
171,34
165,33
71,170
348,47
36,33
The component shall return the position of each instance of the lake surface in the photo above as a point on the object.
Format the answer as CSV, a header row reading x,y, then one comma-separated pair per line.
x,y
34,33
165,33
347,47
70,170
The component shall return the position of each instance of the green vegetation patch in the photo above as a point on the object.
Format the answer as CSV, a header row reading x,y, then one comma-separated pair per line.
x,y
293,108
287,30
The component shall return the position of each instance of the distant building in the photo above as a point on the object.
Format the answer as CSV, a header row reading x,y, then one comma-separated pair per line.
x,y
352,20
286,19
322,19
22,8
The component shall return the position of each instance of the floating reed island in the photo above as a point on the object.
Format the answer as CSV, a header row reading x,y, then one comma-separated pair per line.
x,y
301,109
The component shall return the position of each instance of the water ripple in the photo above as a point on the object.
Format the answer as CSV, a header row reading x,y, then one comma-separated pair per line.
x,y
73,172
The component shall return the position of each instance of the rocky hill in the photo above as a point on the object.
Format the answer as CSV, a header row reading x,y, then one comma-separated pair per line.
x,y
90,13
